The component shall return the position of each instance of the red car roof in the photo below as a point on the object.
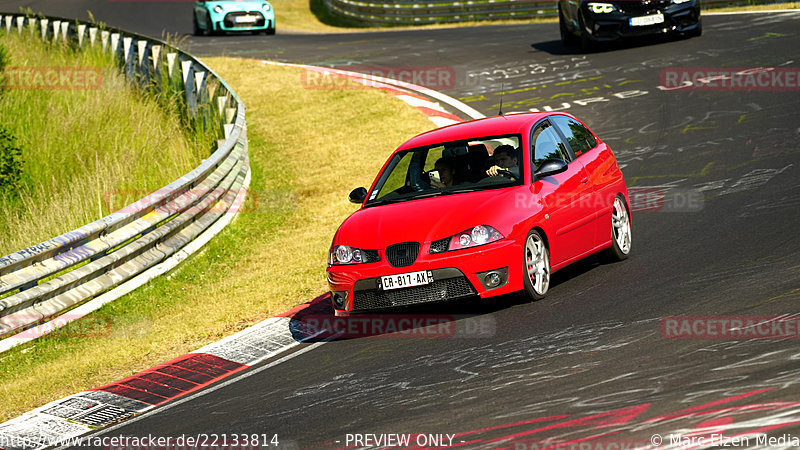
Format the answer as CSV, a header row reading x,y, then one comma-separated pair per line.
x,y
490,126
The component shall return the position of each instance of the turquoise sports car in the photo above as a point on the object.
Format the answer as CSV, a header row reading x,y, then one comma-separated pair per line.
x,y
219,16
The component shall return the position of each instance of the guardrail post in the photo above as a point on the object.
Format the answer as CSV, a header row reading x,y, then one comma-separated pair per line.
x,y
230,116
44,23
201,86
32,24
8,24
144,65
20,24
114,47
141,52
171,58
127,57
188,87
155,55
81,34
204,107
222,104
56,30
65,31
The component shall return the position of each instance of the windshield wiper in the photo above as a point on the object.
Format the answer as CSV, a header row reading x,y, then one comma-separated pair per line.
x,y
428,194
464,189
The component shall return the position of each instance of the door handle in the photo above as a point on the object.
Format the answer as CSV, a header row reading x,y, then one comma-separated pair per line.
x,y
585,180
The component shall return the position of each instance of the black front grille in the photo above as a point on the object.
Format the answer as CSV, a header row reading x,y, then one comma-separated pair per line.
x,y
402,254
637,8
440,246
439,290
370,256
231,22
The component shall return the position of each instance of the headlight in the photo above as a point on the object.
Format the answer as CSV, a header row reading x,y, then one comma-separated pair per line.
x,y
266,6
473,237
218,9
343,254
601,8
679,1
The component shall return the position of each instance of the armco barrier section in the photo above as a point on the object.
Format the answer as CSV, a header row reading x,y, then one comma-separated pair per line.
x,y
44,280
411,12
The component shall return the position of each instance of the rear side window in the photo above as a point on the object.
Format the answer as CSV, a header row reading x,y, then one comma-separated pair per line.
x,y
579,138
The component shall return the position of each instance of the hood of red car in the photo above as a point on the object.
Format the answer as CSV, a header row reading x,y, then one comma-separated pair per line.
x,y
427,219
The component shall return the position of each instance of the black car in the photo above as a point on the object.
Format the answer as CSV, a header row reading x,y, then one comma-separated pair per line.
x,y
589,21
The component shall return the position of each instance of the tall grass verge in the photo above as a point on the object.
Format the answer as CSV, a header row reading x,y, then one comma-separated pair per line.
x,y
83,145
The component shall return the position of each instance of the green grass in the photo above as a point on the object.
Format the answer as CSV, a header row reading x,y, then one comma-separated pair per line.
x,y
308,149
83,147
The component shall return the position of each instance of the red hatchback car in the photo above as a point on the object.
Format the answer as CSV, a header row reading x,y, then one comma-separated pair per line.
x,y
484,208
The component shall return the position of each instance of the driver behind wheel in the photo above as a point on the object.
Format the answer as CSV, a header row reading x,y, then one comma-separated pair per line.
x,y
505,158
443,173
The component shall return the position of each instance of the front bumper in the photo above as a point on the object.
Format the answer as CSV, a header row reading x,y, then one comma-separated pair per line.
x,y
678,18
456,275
244,21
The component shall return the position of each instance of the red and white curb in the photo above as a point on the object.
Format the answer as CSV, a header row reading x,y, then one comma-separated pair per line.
x,y
428,101
62,422
59,422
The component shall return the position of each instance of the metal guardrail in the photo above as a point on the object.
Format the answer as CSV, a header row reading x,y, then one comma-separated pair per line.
x,y
44,280
410,12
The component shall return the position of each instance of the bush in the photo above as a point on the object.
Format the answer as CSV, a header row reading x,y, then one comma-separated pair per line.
x,y
10,164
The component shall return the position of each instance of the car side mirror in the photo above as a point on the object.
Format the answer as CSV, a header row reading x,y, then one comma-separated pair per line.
x,y
358,195
550,166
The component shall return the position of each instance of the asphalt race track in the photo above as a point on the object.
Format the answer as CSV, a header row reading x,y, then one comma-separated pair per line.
x,y
592,362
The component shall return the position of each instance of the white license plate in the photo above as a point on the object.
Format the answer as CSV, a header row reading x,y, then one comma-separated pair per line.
x,y
404,280
245,19
647,20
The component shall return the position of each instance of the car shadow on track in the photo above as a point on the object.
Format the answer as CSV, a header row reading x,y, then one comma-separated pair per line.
x,y
315,321
556,47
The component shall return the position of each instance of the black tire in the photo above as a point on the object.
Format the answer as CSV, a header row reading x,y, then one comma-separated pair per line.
x,y
270,31
620,231
211,30
567,37
535,266
587,44
697,32
197,30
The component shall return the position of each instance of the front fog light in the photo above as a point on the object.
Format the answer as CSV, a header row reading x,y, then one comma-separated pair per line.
x,y
339,299
218,9
492,279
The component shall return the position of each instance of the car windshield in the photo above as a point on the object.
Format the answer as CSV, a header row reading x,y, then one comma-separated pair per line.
x,y
449,168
